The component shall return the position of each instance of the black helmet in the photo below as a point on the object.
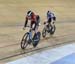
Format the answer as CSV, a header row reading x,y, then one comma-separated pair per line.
x,y
29,13
48,11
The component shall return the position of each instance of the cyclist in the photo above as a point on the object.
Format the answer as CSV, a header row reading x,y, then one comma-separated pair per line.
x,y
50,18
34,21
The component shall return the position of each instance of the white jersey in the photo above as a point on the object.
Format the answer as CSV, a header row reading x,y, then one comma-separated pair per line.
x,y
52,15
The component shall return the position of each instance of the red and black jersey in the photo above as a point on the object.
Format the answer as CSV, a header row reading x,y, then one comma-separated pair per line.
x,y
32,18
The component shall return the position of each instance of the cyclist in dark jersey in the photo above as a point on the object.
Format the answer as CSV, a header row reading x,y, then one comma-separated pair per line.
x,y
34,20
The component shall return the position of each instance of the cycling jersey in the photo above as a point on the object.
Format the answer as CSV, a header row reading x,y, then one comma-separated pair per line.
x,y
32,17
50,16
35,19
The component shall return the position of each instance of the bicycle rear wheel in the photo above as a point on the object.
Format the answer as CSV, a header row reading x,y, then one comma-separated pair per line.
x,y
36,39
24,41
53,30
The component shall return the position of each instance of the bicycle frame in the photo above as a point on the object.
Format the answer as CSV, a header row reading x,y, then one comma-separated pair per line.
x,y
30,39
30,33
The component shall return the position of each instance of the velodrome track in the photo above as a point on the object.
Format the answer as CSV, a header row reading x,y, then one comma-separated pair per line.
x,y
13,50
11,23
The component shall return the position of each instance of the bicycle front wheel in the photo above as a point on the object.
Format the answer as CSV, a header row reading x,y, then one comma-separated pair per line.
x,y
24,41
44,33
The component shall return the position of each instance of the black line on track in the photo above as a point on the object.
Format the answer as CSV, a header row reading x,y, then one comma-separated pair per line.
x,y
36,50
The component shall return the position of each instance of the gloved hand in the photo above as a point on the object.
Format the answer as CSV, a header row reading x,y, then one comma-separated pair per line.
x,y
39,24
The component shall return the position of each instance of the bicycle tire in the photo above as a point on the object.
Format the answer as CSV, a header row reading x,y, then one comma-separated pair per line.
x,y
24,42
36,39
44,33
52,31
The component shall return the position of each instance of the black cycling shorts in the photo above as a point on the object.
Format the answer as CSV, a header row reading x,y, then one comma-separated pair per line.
x,y
49,20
